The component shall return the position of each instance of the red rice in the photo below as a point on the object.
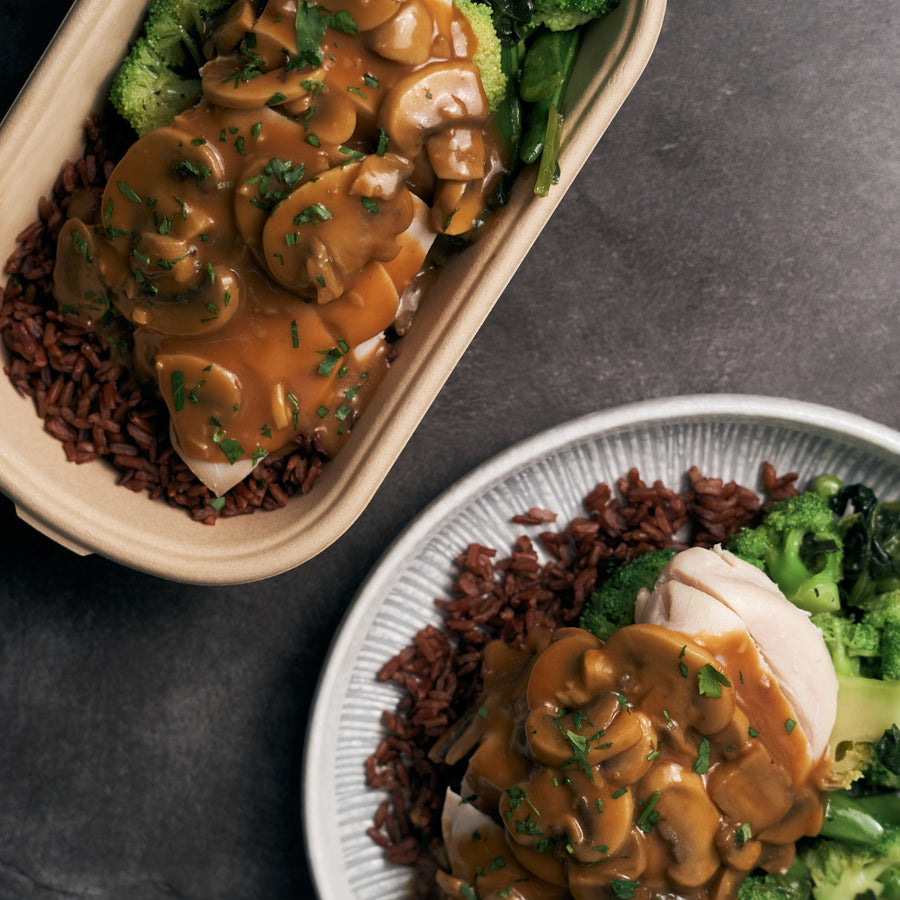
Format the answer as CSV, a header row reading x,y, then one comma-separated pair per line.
x,y
439,673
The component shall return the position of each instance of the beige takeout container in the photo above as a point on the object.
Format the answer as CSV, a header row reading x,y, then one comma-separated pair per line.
x,y
81,506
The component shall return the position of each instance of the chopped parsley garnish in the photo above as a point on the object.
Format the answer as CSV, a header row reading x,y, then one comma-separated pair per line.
x,y
79,242
649,816
232,449
198,171
342,21
701,764
789,725
314,213
128,192
178,389
710,681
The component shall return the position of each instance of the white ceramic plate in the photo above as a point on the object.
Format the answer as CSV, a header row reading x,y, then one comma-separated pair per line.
x,y
727,436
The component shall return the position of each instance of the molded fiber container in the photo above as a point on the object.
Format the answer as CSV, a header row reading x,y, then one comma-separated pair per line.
x,y
81,506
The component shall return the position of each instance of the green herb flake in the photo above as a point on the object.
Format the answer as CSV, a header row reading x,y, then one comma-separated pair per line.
x,y
315,213
295,336
178,389
649,816
370,205
752,732
79,242
128,192
232,449
370,80
701,764
188,168
383,139
789,725
342,21
710,681
322,411
623,889
620,793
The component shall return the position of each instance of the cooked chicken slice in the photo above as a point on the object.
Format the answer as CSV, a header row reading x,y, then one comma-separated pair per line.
x,y
735,593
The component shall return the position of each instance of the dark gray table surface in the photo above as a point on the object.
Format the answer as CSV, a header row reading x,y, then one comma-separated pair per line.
x,y
736,230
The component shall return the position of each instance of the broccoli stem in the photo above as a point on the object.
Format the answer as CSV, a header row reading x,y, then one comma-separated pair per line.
x,y
866,708
848,820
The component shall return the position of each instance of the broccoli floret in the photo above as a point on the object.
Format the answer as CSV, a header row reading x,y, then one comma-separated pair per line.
x,y
795,884
147,93
882,614
611,606
563,15
488,55
848,641
856,853
159,77
799,546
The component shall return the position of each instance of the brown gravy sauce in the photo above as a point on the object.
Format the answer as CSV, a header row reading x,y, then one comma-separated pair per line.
x,y
602,762
259,246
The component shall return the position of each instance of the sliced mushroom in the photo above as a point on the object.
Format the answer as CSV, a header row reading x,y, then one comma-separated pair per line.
x,y
688,820
381,177
238,20
369,14
225,84
77,283
406,36
193,311
317,241
194,387
457,154
436,96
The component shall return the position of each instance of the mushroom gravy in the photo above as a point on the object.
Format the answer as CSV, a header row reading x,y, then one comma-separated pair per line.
x,y
646,762
259,246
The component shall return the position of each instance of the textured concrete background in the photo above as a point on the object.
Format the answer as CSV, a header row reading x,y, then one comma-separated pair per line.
x,y
735,231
